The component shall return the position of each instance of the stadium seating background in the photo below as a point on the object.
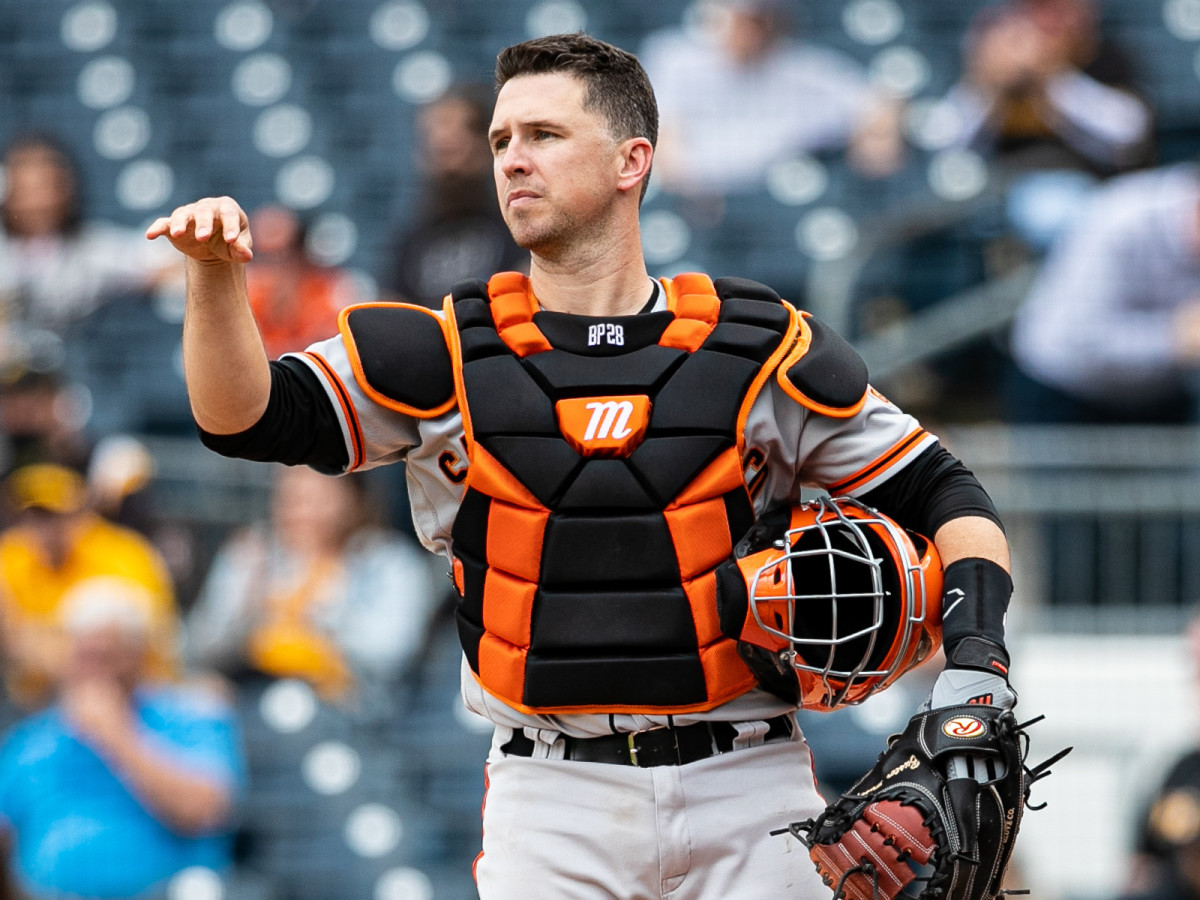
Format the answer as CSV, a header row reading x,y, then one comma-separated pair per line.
x,y
311,103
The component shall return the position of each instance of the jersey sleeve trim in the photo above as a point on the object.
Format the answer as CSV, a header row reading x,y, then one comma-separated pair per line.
x,y
883,466
342,396
359,370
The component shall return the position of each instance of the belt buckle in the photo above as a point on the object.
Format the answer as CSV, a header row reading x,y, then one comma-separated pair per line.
x,y
631,740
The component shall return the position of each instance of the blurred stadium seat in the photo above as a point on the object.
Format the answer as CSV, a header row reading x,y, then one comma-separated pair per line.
x,y
339,800
206,73
128,355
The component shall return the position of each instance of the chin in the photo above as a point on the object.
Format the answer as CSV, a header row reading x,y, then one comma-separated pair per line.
x,y
536,242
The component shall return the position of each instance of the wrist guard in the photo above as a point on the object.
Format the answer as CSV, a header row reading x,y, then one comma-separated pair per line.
x,y
975,599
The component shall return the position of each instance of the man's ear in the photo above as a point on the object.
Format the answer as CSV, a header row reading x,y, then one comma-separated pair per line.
x,y
636,156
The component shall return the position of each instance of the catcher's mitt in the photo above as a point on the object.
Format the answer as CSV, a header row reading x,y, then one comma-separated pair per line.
x,y
907,810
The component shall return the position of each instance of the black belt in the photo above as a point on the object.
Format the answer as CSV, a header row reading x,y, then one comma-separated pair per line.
x,y
657,747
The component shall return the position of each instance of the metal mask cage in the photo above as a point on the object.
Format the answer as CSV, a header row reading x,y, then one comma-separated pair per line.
x,y
841,542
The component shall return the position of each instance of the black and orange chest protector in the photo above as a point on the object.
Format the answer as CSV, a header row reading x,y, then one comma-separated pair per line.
x,y
605,486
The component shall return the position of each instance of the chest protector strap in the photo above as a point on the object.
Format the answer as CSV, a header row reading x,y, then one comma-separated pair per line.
x,y
604,488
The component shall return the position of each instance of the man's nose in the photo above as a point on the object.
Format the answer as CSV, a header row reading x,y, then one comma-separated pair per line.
x,y
514,160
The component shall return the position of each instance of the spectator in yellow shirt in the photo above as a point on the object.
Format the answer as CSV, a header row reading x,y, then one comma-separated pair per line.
x,y
57,541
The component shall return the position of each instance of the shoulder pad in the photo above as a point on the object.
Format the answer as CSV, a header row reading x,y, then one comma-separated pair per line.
x,y
744,288
472,288
823,372
400,357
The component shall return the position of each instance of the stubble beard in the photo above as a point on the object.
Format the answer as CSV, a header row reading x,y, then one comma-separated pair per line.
x,y
557,237
542,235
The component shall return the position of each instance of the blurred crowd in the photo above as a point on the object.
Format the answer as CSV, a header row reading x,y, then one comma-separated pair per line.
x,y
132,651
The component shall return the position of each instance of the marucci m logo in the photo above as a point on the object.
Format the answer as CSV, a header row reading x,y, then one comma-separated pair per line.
x,y
603,426
609,418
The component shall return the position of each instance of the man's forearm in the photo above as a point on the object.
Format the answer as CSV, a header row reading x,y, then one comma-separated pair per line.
x,y
225,365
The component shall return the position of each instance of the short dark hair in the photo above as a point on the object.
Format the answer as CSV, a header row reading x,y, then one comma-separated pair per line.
x,y
53,146
617,85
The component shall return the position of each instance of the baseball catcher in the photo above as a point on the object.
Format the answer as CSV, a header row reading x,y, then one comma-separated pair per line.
x,y
840,607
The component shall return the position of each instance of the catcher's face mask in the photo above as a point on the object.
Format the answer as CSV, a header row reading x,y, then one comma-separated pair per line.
x,y
840,598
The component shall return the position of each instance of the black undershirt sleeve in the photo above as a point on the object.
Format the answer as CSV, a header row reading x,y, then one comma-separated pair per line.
x,y
926,494
299,425
930,491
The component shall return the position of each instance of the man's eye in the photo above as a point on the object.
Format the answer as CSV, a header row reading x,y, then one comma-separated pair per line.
x,y
499,145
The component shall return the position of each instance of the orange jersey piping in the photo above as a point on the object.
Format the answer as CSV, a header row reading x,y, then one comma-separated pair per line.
x,y
880,465
343,397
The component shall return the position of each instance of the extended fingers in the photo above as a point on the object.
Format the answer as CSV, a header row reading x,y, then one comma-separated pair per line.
x,y
202,218
158,227
215,222
231,218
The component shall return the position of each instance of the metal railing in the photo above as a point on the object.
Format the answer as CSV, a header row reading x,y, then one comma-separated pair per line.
x,y
1104,520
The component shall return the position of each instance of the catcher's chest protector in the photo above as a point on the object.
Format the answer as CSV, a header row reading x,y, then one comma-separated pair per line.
x,y
604,488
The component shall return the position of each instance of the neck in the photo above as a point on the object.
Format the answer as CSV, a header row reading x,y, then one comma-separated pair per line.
x,y
602,278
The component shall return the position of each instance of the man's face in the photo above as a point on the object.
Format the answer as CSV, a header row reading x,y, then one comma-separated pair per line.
x,y
451,144
556,165
108,652
40,188
54,532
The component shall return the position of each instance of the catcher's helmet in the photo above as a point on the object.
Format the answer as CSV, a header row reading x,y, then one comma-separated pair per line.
x,y
842,601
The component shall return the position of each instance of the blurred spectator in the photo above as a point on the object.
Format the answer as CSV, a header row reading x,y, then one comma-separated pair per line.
x,y
1045,92
1169,855
458,233
320,592
743,94
295,300
56,266
119,785
119,472
120,481
57,542
40,417
1110,331
1043,86
1166,858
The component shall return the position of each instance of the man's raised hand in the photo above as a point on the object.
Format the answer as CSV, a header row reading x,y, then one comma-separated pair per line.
x,y
211,230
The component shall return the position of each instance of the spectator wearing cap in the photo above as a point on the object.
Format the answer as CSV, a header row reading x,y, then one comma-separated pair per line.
x,y
459,232
119,784
40,419
56,542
